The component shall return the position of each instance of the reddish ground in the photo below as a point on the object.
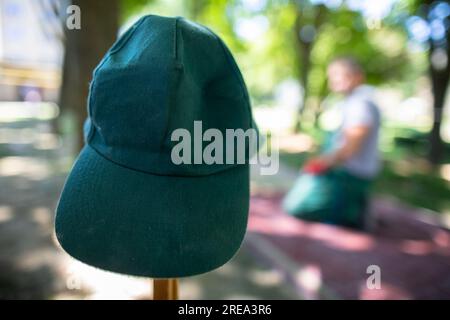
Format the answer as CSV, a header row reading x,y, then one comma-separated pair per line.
x,y
413,256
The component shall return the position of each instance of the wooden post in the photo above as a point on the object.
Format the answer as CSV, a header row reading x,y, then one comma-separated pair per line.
x,y
165,289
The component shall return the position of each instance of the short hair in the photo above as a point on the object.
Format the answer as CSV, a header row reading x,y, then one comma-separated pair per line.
x,y
350,62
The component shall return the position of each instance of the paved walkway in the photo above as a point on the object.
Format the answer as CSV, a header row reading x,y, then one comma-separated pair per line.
x,y
33,165
281,258
323,261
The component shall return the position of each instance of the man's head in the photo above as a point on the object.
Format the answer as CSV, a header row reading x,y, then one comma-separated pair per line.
x,y
344,74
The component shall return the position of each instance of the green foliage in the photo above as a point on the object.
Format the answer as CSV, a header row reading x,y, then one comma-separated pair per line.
x,y
131,7
422,190
274,56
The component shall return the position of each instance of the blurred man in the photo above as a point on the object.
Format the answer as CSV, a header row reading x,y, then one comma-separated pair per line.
x,y
340,178
356,142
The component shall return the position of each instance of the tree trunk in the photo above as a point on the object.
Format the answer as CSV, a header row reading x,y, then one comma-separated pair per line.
x,y
304,47
84,49
439,84
319,106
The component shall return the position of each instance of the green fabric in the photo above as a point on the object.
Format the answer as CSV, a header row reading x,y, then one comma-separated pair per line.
x,y
126,207
336,197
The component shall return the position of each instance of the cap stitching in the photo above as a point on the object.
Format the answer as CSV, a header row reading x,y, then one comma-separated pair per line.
x,y
237,75
226,167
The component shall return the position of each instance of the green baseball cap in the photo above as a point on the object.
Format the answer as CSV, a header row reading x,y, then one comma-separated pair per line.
x,y
126,206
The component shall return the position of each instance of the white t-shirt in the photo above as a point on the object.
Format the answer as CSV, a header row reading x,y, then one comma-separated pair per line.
x,y
358,109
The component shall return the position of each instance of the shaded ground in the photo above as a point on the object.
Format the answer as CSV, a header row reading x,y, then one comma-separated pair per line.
x,y
409,246
33,166
281,258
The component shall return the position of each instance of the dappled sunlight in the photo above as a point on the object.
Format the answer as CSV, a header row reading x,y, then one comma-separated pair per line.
x,y
413,111
39,139
445,171
19,111
279,61
310,279
339,257
326,234
227,270
406,168
17,136
190,289
266,218
341,239
247,278
296,143
273,119
31,168
6,213
43,216
387,291
416,247
442,239
37,258
266,277
83,281
304,279
273,226
99,284
242,296
47,141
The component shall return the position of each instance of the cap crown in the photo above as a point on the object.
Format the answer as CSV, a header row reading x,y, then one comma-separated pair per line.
x,y
163,74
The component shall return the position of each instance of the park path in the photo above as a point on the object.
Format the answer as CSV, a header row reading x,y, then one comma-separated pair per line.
x,y
34,162
281,257
410,248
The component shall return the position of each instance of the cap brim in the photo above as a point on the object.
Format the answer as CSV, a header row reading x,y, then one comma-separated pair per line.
x,y
136,223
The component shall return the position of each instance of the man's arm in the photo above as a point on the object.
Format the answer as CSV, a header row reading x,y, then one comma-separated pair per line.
x,y
353,141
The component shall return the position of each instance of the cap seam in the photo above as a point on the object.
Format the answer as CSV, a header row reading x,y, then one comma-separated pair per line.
x,y
234,166
102,62
238,76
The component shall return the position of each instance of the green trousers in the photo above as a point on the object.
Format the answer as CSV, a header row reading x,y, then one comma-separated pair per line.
x,y
336,197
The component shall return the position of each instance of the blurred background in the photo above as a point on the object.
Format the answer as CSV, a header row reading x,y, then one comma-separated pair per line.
x,y
282,48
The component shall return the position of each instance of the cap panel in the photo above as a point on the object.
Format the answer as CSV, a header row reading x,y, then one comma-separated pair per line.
x,y
206,89
166,74
129,96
